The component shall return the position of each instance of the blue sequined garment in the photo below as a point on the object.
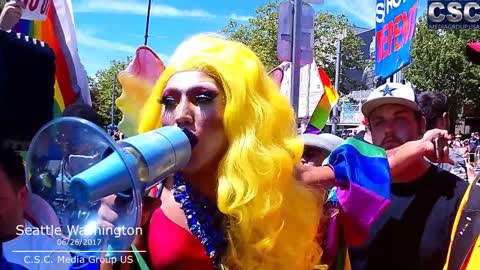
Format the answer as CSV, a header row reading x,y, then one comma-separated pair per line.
x,y
203,217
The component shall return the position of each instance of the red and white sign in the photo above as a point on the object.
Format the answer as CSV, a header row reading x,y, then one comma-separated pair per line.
x,y
36,10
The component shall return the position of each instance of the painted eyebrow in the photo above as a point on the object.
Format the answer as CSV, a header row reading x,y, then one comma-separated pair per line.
x,y
211,86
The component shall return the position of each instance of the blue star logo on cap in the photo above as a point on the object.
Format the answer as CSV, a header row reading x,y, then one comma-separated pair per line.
x,y
387,90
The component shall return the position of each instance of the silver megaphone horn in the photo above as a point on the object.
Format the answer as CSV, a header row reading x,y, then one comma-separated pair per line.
x,y
72,165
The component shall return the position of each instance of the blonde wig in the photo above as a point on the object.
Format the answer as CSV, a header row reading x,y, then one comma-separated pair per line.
x,y
272,219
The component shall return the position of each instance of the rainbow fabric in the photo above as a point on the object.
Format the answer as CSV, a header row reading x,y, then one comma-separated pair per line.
x,y
361,195
70,76
324,106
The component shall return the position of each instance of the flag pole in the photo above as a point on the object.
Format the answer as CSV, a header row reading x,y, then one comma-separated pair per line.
x,y
148,22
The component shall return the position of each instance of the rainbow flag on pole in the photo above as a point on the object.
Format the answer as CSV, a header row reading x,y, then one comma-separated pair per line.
x,y
328,100
58,31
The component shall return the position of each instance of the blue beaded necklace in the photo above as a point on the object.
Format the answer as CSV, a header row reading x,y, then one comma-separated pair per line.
x,y
204,219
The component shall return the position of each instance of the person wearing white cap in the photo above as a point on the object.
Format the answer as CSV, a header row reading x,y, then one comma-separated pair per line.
x,y
414,233
318,147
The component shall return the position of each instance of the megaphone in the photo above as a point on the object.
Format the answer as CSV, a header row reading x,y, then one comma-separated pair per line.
x,y
73,165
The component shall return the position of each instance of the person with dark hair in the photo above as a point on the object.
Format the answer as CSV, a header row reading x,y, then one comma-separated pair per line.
x,y
434,107
81,153
83,111
14,199
13,193
413,233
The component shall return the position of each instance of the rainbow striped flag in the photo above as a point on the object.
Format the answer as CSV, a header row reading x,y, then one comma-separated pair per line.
x,y
361,195
324,106
58,31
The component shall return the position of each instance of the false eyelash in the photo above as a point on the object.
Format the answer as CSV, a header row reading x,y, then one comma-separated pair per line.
x,y
163,101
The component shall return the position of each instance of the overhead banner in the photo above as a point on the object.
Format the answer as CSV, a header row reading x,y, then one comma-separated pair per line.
x,y
395,28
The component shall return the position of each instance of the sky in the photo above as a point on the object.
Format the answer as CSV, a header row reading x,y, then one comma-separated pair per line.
x,y
112,29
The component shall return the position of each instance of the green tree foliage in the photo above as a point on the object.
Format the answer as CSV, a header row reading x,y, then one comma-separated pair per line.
x,y
260,34
439,64
102,88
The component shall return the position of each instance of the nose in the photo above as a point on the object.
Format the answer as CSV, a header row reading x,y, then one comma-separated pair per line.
x,y
184,116
389,127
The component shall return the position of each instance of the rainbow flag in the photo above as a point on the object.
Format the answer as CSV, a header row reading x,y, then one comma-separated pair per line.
x,y
324,106
361,195
71,81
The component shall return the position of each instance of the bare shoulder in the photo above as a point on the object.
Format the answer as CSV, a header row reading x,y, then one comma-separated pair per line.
x,y
172,209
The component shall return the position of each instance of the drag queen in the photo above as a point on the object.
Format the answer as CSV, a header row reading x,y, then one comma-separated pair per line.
x,y
236,205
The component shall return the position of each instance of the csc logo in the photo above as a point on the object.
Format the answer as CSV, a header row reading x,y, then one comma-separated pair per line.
x,y
453,11
37,259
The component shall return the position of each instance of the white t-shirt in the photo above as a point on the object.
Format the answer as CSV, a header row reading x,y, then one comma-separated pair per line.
x,y
53,257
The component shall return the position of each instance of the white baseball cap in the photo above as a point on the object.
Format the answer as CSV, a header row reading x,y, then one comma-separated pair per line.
x,y
390,93
325,141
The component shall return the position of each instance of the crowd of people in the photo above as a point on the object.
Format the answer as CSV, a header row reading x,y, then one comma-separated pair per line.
x,y
258,195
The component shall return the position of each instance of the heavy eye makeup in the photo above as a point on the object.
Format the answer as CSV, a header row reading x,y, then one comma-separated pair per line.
x,y
198,96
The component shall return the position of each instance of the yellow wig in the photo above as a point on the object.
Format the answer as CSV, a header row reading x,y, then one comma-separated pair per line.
x,y
272,219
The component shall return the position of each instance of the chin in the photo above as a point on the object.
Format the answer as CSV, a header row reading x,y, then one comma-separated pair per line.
x,y
390,146
197,164
190,169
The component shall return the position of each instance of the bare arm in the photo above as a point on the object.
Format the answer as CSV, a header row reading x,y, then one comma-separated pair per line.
x,y
315,177
400,159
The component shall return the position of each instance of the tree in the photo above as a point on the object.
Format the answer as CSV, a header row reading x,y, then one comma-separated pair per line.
x,y
102,88
260,34
439,64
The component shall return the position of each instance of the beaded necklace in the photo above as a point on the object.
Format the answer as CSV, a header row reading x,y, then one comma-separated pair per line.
x,y
204,219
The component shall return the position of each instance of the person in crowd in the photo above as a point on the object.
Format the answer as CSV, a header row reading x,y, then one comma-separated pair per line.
x,y
434,107
20,247
10,13
414,233
83,154
76,163
473,142
82,110
236,204
318,147
457,143
364,135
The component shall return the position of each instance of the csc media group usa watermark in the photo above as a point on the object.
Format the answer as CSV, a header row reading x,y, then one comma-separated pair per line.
x,y
453,14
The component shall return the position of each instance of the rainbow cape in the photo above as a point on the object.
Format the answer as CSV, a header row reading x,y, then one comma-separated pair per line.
x,y
361,195
71,82
322,111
